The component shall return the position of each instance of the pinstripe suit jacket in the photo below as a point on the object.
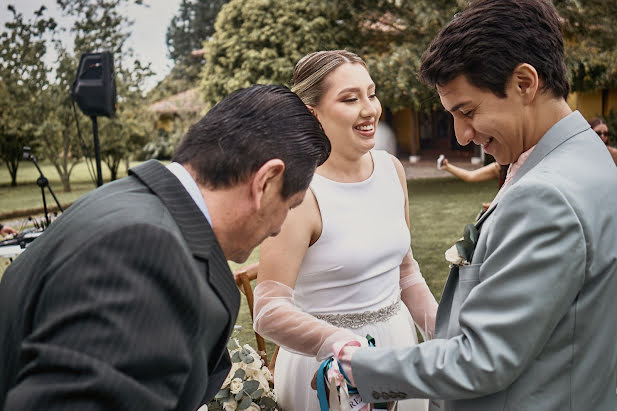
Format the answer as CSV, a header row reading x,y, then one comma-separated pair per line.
x,y
125,303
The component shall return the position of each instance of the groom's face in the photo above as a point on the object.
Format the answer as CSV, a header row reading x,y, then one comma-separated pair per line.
x,y
481,117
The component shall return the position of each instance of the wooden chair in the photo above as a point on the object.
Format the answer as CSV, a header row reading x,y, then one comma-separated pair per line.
x,y
244,276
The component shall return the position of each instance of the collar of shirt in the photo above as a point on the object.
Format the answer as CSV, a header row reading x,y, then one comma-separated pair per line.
x,y
191,187
514,167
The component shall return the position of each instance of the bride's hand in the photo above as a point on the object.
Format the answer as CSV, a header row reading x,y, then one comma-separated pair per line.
x,y
344,357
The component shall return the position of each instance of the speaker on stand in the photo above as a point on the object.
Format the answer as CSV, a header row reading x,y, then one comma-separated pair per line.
x,y
94,91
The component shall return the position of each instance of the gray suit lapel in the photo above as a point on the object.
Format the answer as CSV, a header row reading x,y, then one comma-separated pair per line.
x,y
445,304
561,132
194,227
487,213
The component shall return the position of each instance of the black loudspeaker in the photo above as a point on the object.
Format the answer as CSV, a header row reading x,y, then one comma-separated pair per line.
x,y
94,88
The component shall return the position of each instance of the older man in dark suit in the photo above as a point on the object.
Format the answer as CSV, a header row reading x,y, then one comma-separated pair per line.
x,y
126,302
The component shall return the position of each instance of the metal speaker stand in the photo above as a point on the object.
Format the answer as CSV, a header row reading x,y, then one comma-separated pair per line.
x,y
42,182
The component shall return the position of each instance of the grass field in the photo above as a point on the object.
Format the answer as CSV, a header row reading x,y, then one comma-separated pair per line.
x,y
439,210
27,195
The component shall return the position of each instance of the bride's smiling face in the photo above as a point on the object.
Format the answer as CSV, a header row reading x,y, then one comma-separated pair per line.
x,y
349,110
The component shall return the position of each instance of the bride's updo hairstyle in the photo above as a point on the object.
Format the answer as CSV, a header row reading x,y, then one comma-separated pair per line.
x,y
308,80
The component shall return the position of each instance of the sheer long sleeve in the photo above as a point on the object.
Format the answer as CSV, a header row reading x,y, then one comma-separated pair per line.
x,y
278,319
417,296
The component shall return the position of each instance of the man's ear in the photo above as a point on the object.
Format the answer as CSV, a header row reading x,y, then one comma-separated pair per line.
x,y
268,178
526,82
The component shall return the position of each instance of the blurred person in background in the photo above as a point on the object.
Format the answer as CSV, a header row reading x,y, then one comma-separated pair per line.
x,y
6,230
598,124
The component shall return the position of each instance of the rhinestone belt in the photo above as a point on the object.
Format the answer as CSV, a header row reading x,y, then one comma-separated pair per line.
x,y
357,320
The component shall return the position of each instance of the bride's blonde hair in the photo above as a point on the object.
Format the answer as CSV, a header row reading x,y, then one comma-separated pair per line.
x,y
312,69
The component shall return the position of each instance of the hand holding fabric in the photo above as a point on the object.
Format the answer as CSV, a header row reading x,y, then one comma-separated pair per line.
x,y
343,353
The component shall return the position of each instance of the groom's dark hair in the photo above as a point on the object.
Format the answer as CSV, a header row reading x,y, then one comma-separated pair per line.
x,y
490,38
250,127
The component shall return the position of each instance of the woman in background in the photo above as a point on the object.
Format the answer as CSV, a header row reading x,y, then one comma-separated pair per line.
x,y
601,128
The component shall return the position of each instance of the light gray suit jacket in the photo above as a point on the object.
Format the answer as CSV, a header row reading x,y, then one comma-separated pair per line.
x,y
530,324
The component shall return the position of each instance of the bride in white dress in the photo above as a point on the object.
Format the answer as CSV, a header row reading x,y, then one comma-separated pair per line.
x,y
342,266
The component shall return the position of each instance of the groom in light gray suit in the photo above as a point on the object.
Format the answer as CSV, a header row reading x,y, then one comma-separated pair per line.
x,y
529,324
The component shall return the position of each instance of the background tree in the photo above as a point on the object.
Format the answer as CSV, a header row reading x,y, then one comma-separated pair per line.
x,y
590,33
57,133
188,29
394,35
23,77
260,41
193,24
98,25
132,126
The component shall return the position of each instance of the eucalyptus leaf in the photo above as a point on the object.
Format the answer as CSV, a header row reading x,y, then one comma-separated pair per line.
x,y
463,249
467,232
467,245
239,396
268,403
236,357
214,406
240,373
249,387
245,403
258,393
222,394
473,233
248,359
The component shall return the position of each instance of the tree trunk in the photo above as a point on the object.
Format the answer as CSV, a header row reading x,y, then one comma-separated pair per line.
x,y
114,172
65,176
66,183
12,166
113,164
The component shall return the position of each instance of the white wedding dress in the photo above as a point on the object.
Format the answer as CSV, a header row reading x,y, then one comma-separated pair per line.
x,y
353,268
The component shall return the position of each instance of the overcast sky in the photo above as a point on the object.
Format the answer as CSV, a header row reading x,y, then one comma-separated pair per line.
x,y
148,30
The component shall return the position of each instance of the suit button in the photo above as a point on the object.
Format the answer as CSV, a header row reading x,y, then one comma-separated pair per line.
x,y
376,394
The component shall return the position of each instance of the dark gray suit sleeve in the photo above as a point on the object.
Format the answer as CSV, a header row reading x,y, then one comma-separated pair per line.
x,y
113,328
533,271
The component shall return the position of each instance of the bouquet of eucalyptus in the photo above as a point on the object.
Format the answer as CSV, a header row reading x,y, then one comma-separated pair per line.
x,y
248,385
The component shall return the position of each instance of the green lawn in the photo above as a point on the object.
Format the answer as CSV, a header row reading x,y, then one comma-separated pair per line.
x,y
439,210
27,195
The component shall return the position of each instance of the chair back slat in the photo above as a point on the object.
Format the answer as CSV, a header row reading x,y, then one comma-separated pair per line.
x,y
243,277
